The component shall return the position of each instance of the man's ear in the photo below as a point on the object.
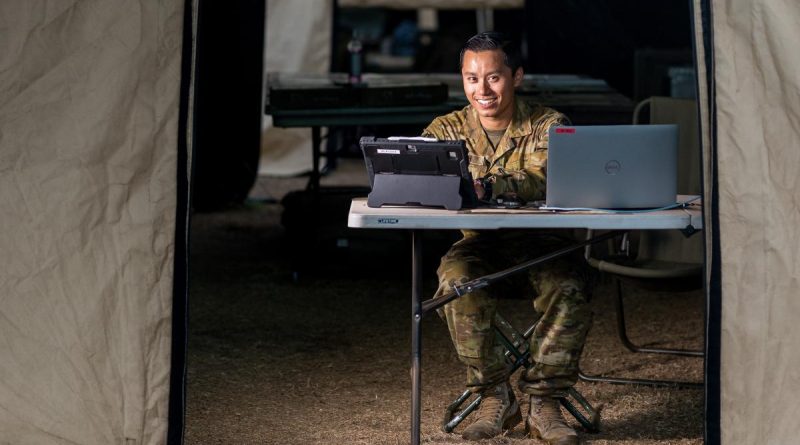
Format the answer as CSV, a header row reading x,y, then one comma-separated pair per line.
x,y
518,77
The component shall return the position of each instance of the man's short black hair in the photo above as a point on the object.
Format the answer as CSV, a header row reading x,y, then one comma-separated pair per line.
x,y
487,41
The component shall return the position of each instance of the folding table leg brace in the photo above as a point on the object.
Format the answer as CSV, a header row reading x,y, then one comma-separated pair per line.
x,y
419,308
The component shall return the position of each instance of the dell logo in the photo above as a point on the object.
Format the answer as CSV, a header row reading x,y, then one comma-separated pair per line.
x,y
613,167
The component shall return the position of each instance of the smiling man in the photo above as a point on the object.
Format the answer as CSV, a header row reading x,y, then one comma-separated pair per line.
x,y
507,143
489,85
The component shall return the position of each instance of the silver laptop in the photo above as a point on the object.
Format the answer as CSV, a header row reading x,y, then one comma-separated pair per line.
x,y
612,166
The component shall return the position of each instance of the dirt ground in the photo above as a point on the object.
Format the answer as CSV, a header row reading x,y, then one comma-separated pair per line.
x,y
292,345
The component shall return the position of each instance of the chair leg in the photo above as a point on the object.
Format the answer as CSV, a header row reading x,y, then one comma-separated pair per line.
x,y
623,332
644,382
623,336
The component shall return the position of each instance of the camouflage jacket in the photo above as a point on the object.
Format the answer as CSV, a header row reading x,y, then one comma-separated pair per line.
x,y
519,162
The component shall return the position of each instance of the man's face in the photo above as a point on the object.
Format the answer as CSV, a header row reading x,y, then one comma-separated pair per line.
x,y
489,86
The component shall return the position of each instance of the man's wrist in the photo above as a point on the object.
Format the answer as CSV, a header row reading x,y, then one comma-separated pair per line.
x,y
486,182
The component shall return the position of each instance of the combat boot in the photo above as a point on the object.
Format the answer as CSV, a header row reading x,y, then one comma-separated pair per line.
x,y
498,411
546,422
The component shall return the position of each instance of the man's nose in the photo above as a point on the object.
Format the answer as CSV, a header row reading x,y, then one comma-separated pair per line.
x,y
483,87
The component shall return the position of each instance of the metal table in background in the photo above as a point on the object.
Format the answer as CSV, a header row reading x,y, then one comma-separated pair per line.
x,y
418,219
586,101
351,116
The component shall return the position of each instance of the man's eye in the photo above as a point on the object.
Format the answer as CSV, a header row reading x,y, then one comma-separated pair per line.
x,y
493,78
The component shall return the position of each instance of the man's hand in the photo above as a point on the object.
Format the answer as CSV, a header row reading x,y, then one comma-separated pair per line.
x,y
483,187
479,190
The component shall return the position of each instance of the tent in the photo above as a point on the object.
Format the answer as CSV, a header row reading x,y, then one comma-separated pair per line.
x,y
95,155
94,197
749,91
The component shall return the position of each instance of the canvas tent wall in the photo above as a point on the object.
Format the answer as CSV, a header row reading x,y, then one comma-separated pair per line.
x,y
93,175
749,85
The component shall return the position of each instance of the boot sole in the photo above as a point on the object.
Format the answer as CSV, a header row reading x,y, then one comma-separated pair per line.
x,y
534,433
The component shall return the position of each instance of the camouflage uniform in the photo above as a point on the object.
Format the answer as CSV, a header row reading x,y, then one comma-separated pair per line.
x,y
517,164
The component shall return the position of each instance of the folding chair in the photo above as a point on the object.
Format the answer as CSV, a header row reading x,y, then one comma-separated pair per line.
x,y
657,259
518,355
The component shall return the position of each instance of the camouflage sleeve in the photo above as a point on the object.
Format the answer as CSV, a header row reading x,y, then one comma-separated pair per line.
x,y
440,129
430,132
530,181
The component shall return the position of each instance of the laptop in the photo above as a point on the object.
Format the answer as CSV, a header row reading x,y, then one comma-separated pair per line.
x,y
612,166
418,171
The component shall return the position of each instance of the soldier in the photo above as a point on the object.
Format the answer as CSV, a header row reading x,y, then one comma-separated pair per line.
x,y
507,143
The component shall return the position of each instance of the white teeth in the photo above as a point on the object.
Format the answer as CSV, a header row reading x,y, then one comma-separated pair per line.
x,y
485,101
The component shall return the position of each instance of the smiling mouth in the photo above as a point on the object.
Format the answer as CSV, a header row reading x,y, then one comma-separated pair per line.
x,y
486,102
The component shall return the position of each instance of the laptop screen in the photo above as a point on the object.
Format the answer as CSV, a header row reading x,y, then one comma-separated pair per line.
x,y
612,166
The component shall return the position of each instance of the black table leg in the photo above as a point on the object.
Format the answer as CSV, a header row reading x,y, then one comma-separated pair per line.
x,y
316,140
416,334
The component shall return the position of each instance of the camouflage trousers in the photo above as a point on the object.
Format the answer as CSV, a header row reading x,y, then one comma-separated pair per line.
x,y
557,288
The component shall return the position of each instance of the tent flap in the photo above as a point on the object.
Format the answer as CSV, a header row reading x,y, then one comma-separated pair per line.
x,y
89,96
757,111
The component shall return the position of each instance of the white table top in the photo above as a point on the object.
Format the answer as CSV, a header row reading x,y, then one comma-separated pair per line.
x,y
395,217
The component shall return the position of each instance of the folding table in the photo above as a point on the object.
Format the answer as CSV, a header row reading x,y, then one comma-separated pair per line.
x,y
415,219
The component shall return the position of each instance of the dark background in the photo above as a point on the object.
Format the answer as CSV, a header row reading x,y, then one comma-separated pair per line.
x,y
605,39
610,39
628,43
